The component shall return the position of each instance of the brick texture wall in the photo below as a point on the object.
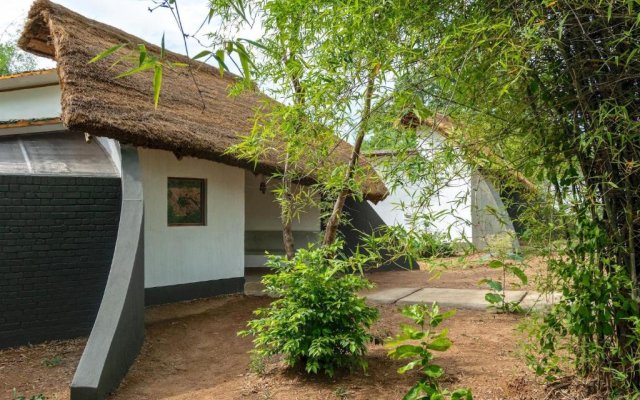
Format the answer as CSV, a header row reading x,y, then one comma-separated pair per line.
x,y
57,236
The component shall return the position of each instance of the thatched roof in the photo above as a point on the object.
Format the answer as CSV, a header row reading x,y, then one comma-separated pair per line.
x,y
94,101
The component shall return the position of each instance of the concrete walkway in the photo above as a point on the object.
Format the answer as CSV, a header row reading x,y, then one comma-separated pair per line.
x,y
455,298
458,298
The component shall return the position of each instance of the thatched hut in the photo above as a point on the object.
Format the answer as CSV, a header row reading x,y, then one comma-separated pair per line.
x,y
80,147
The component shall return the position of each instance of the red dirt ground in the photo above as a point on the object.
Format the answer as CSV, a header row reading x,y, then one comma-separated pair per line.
x,y
192,352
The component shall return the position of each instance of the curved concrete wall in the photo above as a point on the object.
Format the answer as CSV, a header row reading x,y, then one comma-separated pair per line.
x,y
489,216
118,332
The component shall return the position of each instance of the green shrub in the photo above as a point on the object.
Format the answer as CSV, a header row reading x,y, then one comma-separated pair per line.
x,y
418,344
318,321
497,296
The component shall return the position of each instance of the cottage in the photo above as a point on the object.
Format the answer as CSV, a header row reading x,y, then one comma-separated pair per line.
x,y
108,204
456,204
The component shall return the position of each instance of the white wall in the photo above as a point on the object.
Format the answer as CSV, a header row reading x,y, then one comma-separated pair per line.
x,y
449,203
263,226
263,212
186,254
463,203
37,103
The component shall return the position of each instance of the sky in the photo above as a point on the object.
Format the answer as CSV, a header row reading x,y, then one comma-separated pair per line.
x,y
132,16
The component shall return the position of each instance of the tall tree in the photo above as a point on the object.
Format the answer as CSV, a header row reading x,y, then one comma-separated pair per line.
x,y
332,65
551,87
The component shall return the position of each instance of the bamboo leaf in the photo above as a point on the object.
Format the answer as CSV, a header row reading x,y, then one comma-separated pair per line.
x,y
143,54
106,53
136,70
157,84
203,53
219,57
253,43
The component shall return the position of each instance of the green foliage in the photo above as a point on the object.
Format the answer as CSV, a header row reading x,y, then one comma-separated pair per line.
x,y
257,363
395,243
318,321
142,61
12,59
547,103
497,295
16,396
53,361
427,318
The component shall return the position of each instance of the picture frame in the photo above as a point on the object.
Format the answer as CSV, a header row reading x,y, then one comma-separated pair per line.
x,y
186,201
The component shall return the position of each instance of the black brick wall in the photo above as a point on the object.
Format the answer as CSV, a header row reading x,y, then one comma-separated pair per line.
x,y
57,236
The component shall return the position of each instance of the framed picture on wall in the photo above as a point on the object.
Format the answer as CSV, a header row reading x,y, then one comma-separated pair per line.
x,y
186,200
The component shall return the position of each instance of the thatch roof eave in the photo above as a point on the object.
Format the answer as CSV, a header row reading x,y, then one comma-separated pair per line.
x,y
188,123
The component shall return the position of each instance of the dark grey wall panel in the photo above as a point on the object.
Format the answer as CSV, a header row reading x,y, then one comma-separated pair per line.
x,y
57,236
364,219
191,291
118,333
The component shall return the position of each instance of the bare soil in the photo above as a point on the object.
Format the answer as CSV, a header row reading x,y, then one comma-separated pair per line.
x,y
192,351
45,368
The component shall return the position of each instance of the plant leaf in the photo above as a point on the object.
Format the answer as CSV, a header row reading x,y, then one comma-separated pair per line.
x,y
106,53
203,53
157,84
493,298
219,57
136,70
520,274
406,350
439,344
162,47
409,366
496,286
461,394
433,371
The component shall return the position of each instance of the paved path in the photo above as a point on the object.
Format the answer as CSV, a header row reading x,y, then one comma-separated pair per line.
x,y
457,298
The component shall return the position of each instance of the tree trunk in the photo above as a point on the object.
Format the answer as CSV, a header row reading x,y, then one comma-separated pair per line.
x,y
331,229
287,238
285,214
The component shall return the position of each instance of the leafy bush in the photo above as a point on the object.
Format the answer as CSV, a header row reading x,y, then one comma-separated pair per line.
x,y
404,346
319,321
497,294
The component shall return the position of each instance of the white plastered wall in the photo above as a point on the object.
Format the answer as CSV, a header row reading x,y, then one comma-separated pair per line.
x,y
263,212
36,103
186,254
449,205
263,225
464,207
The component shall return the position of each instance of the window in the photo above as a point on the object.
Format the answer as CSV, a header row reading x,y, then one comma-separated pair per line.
x,y
186,199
